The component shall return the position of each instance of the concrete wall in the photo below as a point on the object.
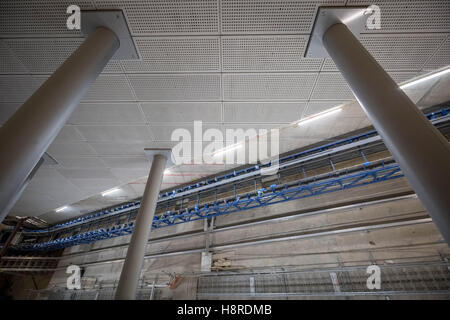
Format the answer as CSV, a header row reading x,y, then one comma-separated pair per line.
x,y
420,242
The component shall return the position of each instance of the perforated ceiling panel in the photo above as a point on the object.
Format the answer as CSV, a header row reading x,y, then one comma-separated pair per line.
x,y
272,86
267,53
399,51
410,15
56,52
172,87
8,62
167,16
263,111
118,147
274,16
16,88
331,86
7,110
37,18
176,54
228,63
157,112
115,133
115,112
440,58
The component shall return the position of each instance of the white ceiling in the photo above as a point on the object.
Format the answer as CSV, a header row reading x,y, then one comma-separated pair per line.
x,y
229,63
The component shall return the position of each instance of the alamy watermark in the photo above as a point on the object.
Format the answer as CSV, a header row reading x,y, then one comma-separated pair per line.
x,y
74,280
237,146
374,280
74,20
373,22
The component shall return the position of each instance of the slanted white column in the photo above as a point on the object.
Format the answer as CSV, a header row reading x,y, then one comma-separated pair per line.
x,y
419,148
131,270
27,134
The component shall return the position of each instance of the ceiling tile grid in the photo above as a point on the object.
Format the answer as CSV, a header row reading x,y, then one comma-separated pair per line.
x,y
399,51
268,86
160,17
176,87
440,58
263,112
410,15
109,112
265,17
160,112
229,63
175,54
16,88
107,148
115,133
7,110
267,53
57,50
331,86
38,18
9,63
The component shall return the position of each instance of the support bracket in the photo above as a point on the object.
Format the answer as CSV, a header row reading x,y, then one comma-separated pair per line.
x,y
150,152
353,17
116,22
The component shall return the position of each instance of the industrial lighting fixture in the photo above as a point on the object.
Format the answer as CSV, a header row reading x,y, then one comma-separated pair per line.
x,y
109,191
431,76
230,148
319,115
61,209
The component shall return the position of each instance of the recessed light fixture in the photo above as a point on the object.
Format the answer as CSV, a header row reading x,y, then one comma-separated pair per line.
x,y
61,209
108,192
431,76
319,115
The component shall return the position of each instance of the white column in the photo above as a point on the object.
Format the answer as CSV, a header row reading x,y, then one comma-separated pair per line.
x,y
28,133
420,149
131,271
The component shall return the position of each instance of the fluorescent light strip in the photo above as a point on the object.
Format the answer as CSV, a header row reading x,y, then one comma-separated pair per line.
x,y
61,209
319,115
109,191
431,76
233,147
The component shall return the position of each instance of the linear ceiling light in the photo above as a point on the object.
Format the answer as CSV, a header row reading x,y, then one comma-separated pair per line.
x,y
319,115
230,148
108,192
431,76
61,209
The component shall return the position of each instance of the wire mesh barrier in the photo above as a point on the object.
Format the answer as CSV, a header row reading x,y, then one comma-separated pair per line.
x,y
420,279
89,294
415,279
